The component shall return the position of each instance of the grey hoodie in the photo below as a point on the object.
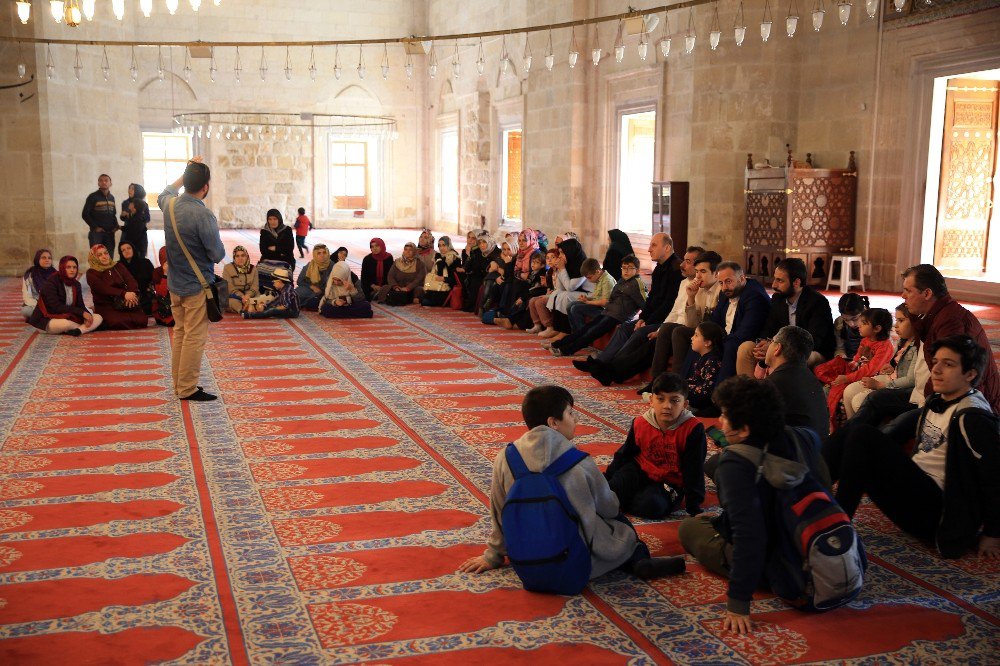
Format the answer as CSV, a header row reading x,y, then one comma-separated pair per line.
x,y
611,541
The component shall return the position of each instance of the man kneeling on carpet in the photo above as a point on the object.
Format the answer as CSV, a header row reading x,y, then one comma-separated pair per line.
x,y
661,465
285,304
586,535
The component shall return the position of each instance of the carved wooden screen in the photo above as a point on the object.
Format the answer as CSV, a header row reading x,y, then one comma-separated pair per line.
x,y
968,164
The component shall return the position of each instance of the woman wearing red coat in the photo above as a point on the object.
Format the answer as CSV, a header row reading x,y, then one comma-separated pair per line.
x,y
115,291
60,308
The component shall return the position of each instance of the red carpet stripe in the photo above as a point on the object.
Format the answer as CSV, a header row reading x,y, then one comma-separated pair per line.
x,y
65,515
328,468
291,498
374,567
131,647
85,484
303,446
89,460
60,552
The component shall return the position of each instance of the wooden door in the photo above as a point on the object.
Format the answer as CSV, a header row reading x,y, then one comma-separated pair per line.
x,y
968,165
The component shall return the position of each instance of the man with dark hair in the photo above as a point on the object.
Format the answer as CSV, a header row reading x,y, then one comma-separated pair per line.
x,y
199,231
742,309
947,489
735,544
805,403
100,214
935,314
794,303
662,292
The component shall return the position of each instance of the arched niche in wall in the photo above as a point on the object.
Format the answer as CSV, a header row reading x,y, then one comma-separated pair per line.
x,y
446,98
160,100
355,99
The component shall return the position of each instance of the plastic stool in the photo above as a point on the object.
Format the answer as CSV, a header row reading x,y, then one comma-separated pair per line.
x,y
845,279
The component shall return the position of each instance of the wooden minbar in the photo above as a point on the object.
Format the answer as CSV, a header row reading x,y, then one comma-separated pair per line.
x,y
798,211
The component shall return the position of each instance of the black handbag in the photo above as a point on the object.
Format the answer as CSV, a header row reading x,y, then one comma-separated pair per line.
x,y
212,307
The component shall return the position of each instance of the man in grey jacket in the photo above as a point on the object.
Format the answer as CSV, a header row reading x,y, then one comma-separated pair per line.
x,y
199,231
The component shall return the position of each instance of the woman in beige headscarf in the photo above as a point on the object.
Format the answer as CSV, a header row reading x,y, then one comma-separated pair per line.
x,y
343,297
241,276
406,280
313,278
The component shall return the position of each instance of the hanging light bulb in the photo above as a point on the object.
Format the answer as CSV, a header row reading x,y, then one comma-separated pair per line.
x,y
408,67
385,62
898,5
50,67
23,11
263,65
159,62
73,16
362,70
844,11
432,67
481,61
187,64
765,22
336,62
504,58
22,69
133,68
456,66
818,13
58,8
526,56
871,8
195,5
595,55
739,26
550,57
172,6
690,36
88,9
77,63
146,7
118,7
619,43
105,64
574,51
212,69
715,36
238,67
643,48
312,63
665,42
288,64
792,19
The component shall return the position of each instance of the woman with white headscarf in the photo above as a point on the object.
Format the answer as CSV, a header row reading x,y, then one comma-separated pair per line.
x,y
343,297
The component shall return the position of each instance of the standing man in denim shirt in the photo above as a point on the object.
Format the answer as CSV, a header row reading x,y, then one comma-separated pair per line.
x,y
199,230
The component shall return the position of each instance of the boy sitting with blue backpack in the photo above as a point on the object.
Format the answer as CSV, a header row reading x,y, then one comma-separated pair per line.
x,y
779,525
548,501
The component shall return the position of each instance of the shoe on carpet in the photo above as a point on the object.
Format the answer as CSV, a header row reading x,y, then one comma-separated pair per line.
x,y
75,332
645,389
583,364
658,567
200,396
602,373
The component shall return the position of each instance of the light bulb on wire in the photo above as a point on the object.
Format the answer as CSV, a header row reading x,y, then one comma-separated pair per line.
x,y
263,65
133,68
690,37
50,67
739,26
818,13
526,56
574,52
456,66
118,8
88,9
212,68
792,19
23,11
844,11
765,22
58,8
619,43
146,7
105,64
312,63
336,62
172,6
715,35
385,62
481,61
362,70
77,63
550,57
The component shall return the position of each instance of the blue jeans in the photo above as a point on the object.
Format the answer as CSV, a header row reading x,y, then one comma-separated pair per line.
x,y
580,339
617,341
578,312
105,238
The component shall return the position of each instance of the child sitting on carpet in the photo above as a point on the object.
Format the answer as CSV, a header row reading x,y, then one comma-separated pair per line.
x,y
613,542
285,304
662,462
702,367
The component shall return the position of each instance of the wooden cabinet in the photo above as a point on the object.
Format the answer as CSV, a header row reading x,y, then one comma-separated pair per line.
x,y
798,211
670,212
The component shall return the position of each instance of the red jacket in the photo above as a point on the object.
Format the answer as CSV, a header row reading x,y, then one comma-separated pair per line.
x,y
948,317
302,225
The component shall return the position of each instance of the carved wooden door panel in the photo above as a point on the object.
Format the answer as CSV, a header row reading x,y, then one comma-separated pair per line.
x,y
968,164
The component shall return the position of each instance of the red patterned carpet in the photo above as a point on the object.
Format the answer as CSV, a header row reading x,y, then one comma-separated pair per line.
x,y
317,512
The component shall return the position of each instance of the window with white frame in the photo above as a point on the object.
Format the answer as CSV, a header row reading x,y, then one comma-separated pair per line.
x,y
447,189
164,156
355,173
510,189
636,144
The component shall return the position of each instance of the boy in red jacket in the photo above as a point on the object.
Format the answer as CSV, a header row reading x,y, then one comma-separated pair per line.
x,y
662,462
302,227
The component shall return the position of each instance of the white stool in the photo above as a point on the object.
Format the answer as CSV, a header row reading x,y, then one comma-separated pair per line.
x,y
845,276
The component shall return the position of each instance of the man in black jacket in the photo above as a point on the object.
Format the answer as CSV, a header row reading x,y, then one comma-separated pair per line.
x,y
631,336
101,215
794,303
801,392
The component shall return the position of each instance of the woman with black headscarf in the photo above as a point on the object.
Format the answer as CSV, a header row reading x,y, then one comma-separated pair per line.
x,y
141,269
277,242
40,271
619,248
568,283
60,308
135,216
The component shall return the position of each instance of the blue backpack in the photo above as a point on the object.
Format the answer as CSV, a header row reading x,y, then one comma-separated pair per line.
x,y
541,528
818,562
